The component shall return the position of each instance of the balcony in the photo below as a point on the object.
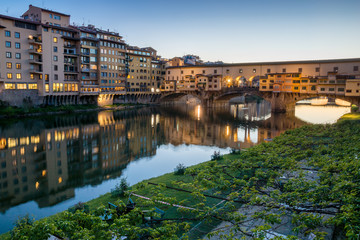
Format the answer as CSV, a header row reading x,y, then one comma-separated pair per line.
x,y
35,40
85,69
69,46
36,61
36,51
38,71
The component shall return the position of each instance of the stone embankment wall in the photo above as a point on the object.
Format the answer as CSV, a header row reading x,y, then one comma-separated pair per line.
x,y
20,97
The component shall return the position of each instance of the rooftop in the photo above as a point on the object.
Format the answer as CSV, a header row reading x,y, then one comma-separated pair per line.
x,y
270,63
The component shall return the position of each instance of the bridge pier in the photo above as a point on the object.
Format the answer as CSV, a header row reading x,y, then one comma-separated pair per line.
x,y
281,103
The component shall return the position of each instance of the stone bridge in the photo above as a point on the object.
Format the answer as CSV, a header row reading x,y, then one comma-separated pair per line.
x,y
280,101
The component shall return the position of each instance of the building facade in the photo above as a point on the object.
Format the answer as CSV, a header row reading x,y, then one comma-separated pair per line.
x,y
338,76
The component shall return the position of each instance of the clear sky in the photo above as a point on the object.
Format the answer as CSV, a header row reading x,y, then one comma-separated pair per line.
x,y
226,30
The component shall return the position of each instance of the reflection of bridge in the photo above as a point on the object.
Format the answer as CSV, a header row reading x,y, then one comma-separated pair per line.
x,y
280,101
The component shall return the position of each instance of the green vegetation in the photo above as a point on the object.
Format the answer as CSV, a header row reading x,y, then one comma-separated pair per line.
x,y
350,116
307,180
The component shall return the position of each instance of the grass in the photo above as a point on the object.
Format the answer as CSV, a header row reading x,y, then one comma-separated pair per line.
x,y
350,116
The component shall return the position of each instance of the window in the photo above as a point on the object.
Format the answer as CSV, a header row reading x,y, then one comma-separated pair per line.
x,y
317,69
284,70
55,39
336,69
240,70
55,58
303,88
7,34
300,70
55,49
18,66
17,45
8,44
9,76
182,72
215,71
31,76
313,88
9,86
203,72
46,77
50,15
17,35
57,17
46,87
18,76
56,77
55,67
322,89
8,54
9,65
18,55
268,70
254,70
341,89
356,68
192,71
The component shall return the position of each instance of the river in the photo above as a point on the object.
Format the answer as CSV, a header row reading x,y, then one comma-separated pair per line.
x,y
50,163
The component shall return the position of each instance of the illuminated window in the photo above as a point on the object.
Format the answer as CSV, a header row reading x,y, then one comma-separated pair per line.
x,y
31,76
9,86
17,35
8,54
17,45
8,44
9,75
55,39
22,151
55,58
9,65
32,86
46,77
47,88
18,66
18,55
7,34
18,76
37,185
21,86
254,70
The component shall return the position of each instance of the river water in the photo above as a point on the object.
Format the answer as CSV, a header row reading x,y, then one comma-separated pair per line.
x,y
51,163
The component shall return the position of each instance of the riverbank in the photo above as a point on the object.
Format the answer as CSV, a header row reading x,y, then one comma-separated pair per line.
x,y
329,150
20,112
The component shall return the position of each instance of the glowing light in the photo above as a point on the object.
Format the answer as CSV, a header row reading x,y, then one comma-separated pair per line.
x,y
60,180
227,130
198,112
37,184
43,173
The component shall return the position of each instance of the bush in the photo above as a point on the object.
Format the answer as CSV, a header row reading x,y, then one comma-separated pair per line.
x,y
235,151
354,108
120,188
216,156
179,169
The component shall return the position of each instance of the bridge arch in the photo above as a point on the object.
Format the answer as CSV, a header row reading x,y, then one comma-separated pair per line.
x,y
227,81
240,81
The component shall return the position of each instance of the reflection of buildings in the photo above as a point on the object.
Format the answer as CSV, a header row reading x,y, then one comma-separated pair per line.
x,y
235,126
49,165
67,152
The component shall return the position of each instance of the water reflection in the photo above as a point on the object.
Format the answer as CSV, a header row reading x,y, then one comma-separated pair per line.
x,y
78,157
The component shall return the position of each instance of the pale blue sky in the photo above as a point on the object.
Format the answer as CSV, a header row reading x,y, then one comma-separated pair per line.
x,y
227,30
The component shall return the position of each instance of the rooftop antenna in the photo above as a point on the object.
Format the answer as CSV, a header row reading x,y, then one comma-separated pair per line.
x,y
83,21
7,11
